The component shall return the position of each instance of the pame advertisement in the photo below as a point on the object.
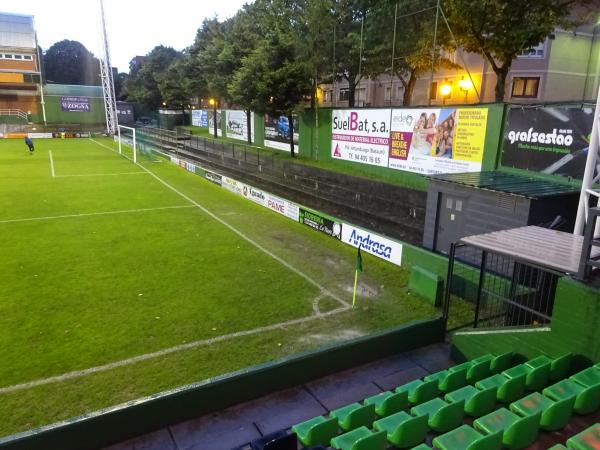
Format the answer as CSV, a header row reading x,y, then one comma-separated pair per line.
x,y
552,140
200,118
211,122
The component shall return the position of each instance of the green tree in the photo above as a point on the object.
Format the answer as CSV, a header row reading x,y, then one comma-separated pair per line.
x,y
69,62
142,85
501,29
174,85
413,48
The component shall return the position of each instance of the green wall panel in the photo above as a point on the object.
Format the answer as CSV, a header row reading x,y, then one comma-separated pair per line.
x,y
54,114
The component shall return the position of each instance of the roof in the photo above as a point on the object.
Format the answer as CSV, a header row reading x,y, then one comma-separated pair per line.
x,y
17,30
520,185
543,247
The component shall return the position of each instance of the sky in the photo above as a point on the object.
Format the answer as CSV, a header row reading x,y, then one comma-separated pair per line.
x,y
134,26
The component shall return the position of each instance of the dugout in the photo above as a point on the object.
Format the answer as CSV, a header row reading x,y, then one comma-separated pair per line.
x,y
466,204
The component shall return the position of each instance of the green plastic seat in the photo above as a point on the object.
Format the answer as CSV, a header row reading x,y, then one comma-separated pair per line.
x,y
558,447
449,380
419,391
588,439
421,447
466,438
442,416
388,403
536,377
559,367
402,429
477,402
360,439
316,431
500,363
354,416
587,399
588,377
508,389
517,432
555,414
478,368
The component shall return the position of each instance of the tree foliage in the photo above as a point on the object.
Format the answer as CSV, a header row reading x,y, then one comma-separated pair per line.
x,y
501,29
69,62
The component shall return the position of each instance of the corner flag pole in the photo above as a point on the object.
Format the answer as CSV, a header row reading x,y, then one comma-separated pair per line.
x,y
357,268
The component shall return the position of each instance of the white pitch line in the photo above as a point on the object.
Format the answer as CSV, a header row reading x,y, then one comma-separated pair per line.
x,y
101,213
164,352
139,172
51,163
238,232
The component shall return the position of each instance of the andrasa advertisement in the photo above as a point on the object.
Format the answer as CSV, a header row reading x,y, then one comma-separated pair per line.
x,y
442,140
553,140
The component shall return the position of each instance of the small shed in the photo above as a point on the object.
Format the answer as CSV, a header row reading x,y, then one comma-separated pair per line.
x,y
466,204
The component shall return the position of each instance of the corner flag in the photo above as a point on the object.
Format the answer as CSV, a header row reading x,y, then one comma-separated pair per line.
x,y
357,268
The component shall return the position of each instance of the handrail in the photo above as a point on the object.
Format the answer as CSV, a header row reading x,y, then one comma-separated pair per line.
x,y
14,112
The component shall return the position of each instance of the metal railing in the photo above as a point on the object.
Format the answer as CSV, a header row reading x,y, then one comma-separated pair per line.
x,y
491,290
14,112
590,259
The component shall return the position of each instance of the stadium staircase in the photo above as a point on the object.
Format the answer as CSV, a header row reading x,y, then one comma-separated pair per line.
x,y
488,403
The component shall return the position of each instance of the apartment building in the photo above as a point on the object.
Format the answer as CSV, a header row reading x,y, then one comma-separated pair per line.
x,y
20,86
563,68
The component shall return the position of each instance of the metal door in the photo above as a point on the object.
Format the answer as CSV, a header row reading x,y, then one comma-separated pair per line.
x,y
450,221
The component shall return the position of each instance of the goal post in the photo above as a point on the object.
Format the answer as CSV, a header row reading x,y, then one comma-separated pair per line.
x,y
129,136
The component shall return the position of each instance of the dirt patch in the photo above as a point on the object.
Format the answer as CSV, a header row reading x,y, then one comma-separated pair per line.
x,y
337,336
364,290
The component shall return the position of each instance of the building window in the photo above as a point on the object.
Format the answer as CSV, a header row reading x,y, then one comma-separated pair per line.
x,y
399,92
433,90
8,56
388,94
27,57
31,78
534,52
525,87
18,56
344,95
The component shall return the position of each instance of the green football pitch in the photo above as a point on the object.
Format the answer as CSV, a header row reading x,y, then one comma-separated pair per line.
x,y
119,281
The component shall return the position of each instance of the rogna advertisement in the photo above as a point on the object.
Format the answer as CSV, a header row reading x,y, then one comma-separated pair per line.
x,y
427,140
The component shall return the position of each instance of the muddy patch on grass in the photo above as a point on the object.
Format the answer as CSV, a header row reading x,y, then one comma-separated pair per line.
x,y
364,290
323,338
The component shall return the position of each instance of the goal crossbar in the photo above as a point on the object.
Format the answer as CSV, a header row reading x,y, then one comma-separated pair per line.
x,y
134,143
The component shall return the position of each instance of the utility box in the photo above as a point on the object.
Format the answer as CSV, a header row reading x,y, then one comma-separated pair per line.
x,y
465,204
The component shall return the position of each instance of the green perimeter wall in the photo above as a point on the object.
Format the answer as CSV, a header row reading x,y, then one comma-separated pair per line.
x,y
574,328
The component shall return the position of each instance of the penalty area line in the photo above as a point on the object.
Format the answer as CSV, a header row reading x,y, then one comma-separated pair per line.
x,y
139,172
167,351
282,261
101,213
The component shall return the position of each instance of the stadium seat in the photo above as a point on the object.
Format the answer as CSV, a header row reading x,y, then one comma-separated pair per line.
x,y
419,391
501,362
388,403
517,432
316,431
466,438
449,380
477,369
477,401
442,416
509,389
587,399
360,439
588,377
588,439
279,440
555,414
421,447
558,447
355,415
536,372
402,429
559,367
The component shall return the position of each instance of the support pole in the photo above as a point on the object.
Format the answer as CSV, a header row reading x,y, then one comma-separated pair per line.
x,y
437,15
393,53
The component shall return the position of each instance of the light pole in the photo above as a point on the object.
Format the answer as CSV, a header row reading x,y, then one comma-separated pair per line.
x,y
213,103
445,90
465,86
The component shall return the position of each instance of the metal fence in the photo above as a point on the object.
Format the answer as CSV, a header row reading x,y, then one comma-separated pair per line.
x,y
490,290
